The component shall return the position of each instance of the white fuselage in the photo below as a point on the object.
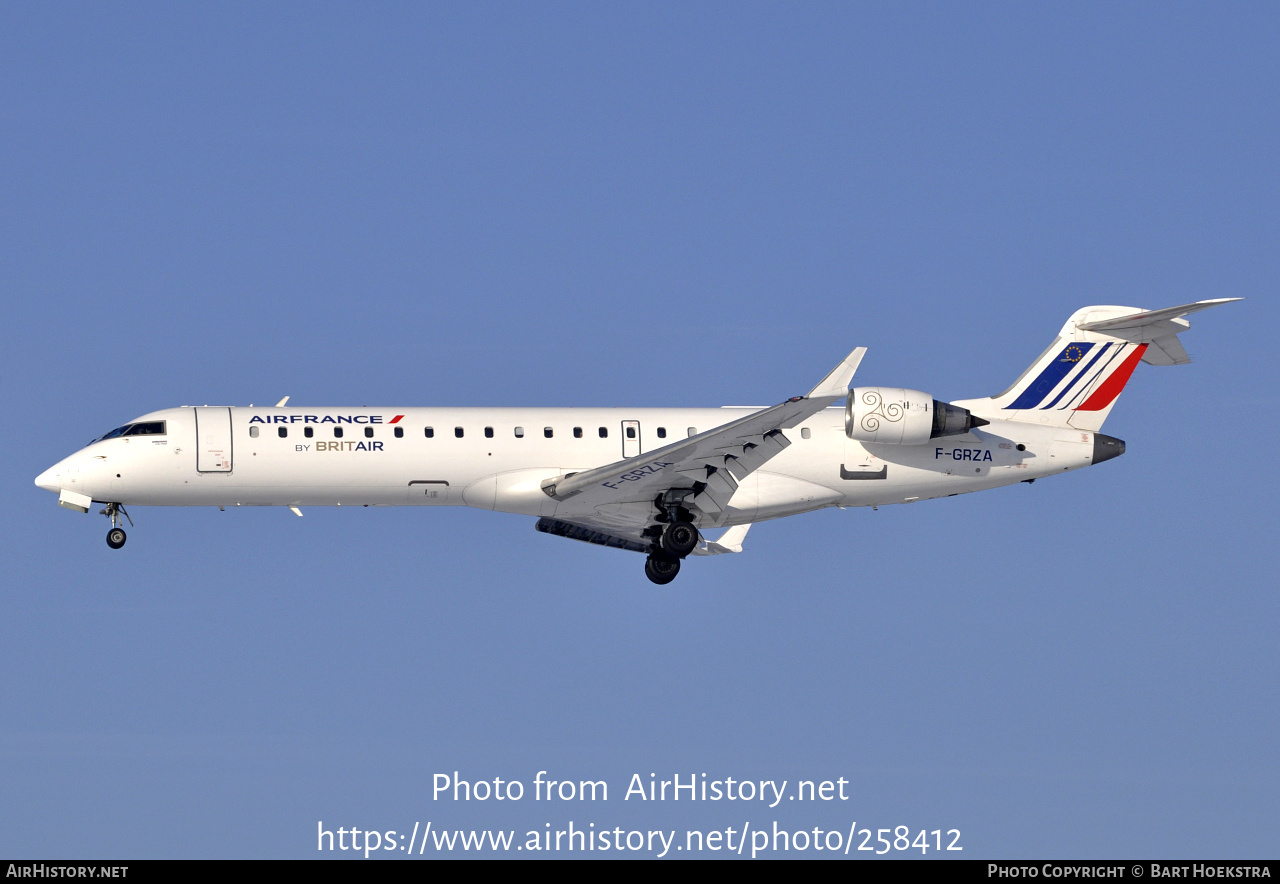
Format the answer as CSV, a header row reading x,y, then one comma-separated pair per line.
x,y
498,458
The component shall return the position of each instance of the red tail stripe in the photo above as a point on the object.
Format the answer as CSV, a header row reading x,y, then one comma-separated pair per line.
x,y
1111,387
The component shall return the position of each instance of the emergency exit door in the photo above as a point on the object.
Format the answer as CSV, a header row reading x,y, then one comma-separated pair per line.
x,y
630,439
213,440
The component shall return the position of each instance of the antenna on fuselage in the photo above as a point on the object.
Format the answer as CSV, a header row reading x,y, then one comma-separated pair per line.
x,y
281,403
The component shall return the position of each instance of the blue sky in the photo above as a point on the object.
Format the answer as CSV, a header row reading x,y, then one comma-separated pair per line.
x,y
519,204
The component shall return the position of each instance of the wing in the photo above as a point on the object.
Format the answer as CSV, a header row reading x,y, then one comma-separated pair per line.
x,y
613,505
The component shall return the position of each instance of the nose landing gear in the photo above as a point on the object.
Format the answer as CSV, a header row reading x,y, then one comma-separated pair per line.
x,y
116,536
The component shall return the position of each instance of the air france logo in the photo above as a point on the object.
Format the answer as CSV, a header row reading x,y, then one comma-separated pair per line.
x,y
323,419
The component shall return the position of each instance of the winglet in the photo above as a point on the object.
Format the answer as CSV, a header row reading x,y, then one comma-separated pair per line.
x,y
729,542
281,403
836,384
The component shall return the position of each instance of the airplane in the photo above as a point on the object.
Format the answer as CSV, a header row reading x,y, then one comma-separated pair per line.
x,y
647,480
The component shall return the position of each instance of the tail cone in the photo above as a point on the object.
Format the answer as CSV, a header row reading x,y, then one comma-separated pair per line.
x,y
1106,447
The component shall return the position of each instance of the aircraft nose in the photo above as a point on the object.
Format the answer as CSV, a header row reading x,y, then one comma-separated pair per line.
x,y
48,480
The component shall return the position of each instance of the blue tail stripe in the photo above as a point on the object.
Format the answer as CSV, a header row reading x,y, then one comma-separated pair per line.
x,y
1075,380
1101,372
1053,374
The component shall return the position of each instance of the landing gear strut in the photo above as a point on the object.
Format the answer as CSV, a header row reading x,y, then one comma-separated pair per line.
x,y
116,536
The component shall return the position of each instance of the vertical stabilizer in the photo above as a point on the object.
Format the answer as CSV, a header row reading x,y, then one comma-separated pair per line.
x,y
1078,379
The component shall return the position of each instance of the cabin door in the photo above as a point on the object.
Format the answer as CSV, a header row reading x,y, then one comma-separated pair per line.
x,y
213,440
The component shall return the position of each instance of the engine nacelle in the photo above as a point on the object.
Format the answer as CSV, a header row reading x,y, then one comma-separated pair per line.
x,y
893,416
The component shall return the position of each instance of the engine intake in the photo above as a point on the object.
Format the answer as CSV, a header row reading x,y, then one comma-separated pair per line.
x,y
894,416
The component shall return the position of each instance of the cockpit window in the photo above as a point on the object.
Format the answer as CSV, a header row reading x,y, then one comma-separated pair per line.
x,y
145,428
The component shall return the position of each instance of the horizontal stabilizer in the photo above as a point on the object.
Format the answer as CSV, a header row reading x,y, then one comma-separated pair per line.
x,y
1145,318
1159,329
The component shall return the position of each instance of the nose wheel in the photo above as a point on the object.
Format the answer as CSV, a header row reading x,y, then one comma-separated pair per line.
x,y
116,536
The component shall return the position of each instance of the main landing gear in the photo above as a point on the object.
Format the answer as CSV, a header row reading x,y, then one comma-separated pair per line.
x,y
116,536
673,541
677,540
661,567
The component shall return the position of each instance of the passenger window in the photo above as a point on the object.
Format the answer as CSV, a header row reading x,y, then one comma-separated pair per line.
x,y
693,431
547,431
308,432
631,432
577,432
337,432
488,432
519,432
253,432
282,432
662,432
604,432
457,431
805,433
399,432
368,432
430,432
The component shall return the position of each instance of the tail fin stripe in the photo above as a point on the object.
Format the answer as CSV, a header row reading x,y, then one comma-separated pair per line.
x,y
1077,379
1111,387
1052,375
1078,376
1083,392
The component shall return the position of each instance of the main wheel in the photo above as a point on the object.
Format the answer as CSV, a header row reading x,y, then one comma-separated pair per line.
x,y
679,539
661,569
116,538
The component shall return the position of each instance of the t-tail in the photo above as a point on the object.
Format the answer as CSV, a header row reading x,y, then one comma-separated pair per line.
x,y
1077,380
